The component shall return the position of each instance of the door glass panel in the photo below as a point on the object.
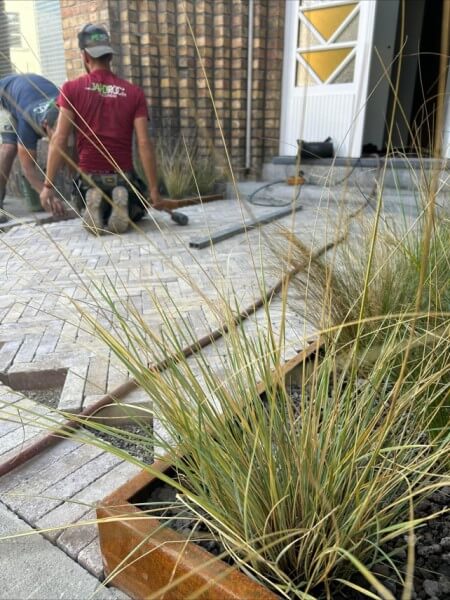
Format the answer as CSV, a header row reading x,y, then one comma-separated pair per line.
x,y
306,37
326,37
327,20
350,32
325,62
347,73
303,76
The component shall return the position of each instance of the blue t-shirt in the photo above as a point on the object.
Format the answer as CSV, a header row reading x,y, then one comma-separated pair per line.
x,y
26,97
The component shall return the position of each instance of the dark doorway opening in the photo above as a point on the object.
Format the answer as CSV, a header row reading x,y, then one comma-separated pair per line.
x,y
411,115
423,114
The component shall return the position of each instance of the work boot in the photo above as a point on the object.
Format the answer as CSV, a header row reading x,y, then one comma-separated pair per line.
x,y
119,220
92,218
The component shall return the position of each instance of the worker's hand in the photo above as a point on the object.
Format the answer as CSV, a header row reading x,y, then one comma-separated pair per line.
x,y
155,198
50,203
157,202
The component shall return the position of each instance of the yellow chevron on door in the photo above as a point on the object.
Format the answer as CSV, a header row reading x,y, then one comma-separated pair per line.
x,y
327,20
325,62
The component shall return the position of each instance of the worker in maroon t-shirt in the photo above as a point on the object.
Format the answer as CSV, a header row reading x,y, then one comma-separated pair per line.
x,y
104,110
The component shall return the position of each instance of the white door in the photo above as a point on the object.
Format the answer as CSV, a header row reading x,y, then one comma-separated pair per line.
x,y
325,74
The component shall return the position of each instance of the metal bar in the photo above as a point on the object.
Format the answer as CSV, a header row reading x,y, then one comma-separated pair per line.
x,y
224,234
248,125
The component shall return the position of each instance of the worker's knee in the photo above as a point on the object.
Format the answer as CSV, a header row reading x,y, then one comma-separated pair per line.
x,y
7,155
8,152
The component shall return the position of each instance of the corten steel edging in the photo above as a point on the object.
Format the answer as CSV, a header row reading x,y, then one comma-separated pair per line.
x,y
148,556
48,439
182,202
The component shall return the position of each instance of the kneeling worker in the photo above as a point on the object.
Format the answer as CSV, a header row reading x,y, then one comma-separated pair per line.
x,y
27,113
104,110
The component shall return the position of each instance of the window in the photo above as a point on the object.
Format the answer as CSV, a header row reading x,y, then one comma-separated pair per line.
x,y
15,37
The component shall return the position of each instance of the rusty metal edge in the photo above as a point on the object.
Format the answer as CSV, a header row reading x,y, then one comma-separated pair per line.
x,y
166,554
182,202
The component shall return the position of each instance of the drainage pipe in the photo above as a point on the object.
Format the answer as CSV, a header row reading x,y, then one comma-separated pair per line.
x,y
248,133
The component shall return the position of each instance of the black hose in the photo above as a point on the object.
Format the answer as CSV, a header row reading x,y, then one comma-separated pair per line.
x,y
266,185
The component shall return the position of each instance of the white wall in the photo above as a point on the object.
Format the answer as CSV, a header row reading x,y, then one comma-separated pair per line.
x,y
25,59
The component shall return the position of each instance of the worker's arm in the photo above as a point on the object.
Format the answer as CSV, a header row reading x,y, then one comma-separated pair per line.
x,y
148,161
27,160
56,152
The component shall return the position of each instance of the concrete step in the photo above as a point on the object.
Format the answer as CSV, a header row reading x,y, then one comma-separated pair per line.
x,y
412,176
398,201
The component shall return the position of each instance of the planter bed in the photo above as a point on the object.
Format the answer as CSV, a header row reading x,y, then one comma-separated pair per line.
x,y
148,555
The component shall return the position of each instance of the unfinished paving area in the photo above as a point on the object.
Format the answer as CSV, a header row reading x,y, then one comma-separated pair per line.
x,y
49,268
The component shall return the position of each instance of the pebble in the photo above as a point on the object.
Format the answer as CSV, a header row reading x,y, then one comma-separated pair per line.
x,y
445,543
431,587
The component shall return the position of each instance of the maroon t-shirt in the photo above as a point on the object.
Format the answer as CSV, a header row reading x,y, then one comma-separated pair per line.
x,y
104,108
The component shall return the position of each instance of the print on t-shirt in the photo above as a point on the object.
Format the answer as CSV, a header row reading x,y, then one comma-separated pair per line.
x,y
107,90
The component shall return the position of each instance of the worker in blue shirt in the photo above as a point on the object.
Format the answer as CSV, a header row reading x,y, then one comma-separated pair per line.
x,y
27,113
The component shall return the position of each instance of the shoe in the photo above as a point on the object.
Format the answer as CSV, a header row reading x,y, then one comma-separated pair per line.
x,y
119,219
92,218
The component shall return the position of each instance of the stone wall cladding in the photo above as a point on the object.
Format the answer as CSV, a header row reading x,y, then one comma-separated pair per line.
x,y
156,50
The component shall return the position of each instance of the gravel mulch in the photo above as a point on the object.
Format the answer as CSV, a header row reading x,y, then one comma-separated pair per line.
x,y
48,397
178,517
143,451
432,555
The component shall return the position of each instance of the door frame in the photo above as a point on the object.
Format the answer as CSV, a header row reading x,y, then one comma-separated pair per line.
x,y
367,10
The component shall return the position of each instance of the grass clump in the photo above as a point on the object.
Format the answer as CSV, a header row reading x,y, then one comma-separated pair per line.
x,y
297,494
184,170
340,289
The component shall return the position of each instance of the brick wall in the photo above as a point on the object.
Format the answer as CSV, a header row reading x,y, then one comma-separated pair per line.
x,y
157,51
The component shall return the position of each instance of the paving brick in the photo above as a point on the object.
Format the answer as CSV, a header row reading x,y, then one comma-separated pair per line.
x,y
74,539
82,502
8,352
116,376
39,374
91,558
33,508
17,438
49,475
71,399
25,412
97,376
34,466
28,348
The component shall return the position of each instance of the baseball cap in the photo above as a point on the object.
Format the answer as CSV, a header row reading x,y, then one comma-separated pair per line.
x,y
94,39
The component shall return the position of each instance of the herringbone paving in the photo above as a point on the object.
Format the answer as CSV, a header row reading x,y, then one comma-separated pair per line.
x,y
49,270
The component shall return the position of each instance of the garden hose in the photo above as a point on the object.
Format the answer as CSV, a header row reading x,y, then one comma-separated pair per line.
x,y
251,197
